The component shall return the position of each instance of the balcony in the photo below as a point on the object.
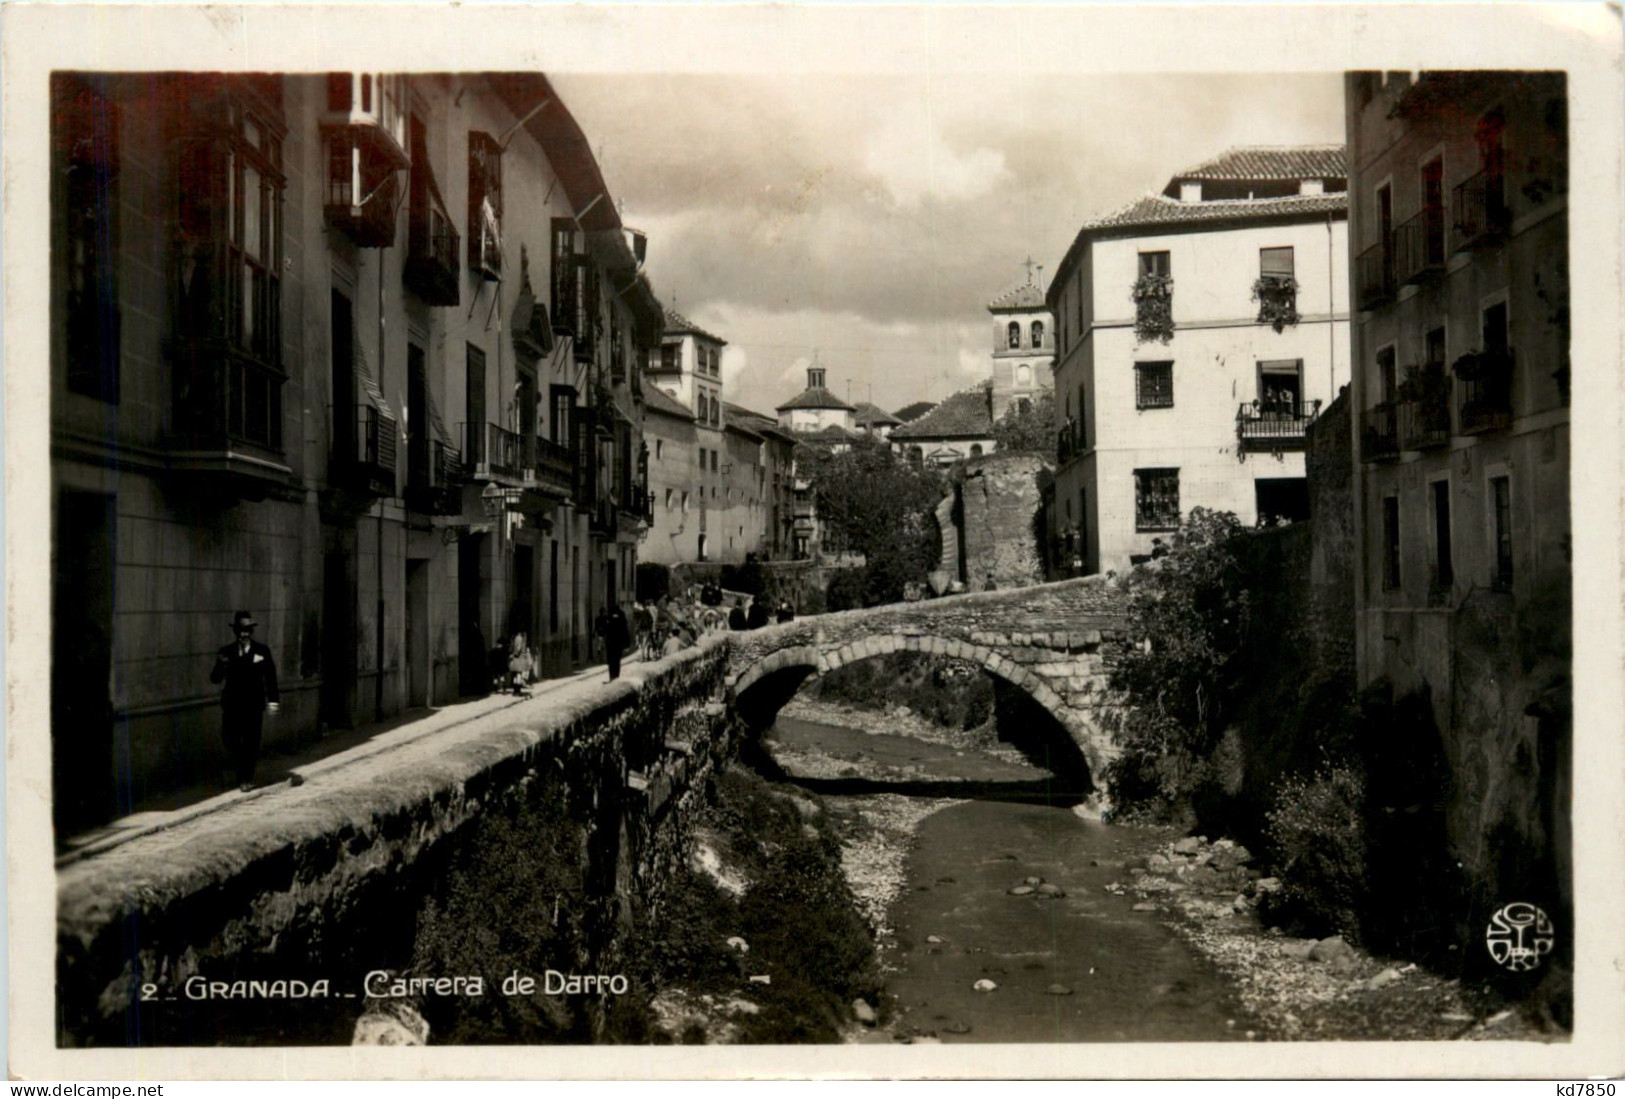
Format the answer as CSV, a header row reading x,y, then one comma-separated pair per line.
x,y
433,268
360,192
365,439
603,518
1419,247
227,416
550,470
371,107
637,503
435,481
1374,276
493,453
1276,429
1424,410
1480,211
1379,438
1484,383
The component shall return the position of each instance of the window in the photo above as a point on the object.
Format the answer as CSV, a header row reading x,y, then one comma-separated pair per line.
x,y
685,503
484,204
1013,337
1151,263
668,499
1153,385
1038,334
1156,499
86,141
474,402
1444,573
1387,382
1280,387
1501,532
713,467
976,450
702,459
660,448
1275,263
1390,543
562,403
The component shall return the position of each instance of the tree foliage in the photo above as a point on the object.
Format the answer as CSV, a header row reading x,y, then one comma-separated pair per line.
x,y
877,503
1029,426
1189,611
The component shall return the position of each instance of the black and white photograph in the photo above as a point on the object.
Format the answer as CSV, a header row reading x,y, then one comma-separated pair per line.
x,y
663,529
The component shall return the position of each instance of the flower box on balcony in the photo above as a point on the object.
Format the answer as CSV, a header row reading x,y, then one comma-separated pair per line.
x,y
1277,298
1153,308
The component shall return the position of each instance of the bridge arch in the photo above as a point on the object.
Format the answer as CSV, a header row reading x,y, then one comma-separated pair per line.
x,y
763,686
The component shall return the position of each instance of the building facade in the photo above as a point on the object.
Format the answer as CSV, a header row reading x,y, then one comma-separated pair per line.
x,y
1199,332
670,434
956,428
1461,391
355,352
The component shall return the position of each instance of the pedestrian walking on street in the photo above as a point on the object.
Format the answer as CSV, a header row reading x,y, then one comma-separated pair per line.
x,y
248,673
612,627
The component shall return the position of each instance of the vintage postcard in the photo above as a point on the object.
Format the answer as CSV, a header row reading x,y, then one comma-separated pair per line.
x,y
813,541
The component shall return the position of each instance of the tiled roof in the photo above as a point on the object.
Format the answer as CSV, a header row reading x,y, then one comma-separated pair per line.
x,y
911,412
815,396
1026,296
679,325
1273,162
873,414
656,399
963,415
1153,210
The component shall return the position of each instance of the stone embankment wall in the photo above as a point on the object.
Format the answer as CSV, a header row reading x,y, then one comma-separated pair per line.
x,y
324,880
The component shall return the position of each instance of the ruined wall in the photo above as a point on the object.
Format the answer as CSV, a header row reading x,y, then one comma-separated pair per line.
x,y
325,881
1000,495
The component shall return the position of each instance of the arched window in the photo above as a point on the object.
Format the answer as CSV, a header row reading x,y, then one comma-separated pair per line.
x,y
1038,333
1015,335
976,450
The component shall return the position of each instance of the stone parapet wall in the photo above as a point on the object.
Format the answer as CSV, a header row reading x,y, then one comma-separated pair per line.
x,y
324,879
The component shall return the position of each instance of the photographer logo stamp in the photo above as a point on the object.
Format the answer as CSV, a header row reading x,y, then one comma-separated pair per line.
x,y
1518,936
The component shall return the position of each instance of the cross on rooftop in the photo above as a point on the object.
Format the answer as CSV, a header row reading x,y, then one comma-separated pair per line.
x,y
1029,266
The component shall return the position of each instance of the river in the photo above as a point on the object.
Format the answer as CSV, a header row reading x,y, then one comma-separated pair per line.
x,y
1077,965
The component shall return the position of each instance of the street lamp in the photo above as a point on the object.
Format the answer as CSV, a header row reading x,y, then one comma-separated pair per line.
x,y
498,499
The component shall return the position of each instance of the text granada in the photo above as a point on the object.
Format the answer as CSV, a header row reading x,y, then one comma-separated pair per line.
x,y
201,988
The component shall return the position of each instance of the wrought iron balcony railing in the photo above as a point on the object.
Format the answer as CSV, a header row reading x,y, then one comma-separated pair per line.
x,y
550,468
1374,275
365,441
1424,415
1280,428
1484,384
1379,437
493,452
1480,210
435,480
433,257
1419,246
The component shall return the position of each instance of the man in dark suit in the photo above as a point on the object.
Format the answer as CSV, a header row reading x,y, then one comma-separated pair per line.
x,y
249,674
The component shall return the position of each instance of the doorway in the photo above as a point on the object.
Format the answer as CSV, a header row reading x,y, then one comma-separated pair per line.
x,y
1281,499
83,776
338,630
472,673
419,672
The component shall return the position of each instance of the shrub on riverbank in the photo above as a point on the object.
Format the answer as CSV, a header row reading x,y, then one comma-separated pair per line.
x,y
1317,831
953,694
796,916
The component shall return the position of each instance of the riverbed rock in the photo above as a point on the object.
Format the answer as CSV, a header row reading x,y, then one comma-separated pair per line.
x,y
1383,979
935,939
1049,889
1058,990
1021,890
1159,864
1187,846
1267,885
1035,882
1298,950
1331,949
1143,906
983,985
739,944
863,1013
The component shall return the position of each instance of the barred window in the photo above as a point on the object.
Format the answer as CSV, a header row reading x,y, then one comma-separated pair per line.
x,y
1154,385
1156,499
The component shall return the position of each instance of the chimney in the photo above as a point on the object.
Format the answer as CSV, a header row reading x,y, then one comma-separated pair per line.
x,y
815,377
1190,190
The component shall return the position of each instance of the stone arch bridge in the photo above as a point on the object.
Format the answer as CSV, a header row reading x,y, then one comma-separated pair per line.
x,y
1054,642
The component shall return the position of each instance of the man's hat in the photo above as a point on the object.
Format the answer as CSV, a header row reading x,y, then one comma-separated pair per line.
x,y
243,621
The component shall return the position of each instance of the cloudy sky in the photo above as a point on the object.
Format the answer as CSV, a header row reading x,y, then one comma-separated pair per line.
x,y
870,218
